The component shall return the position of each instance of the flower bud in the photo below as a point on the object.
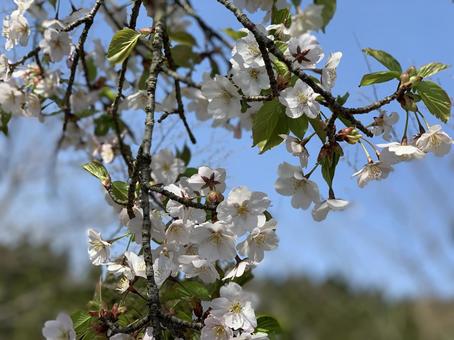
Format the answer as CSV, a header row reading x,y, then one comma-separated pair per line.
x,y
215,197
404,77
408,103
349,135
411,71
415,80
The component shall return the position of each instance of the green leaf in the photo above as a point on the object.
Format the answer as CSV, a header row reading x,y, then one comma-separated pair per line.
x,y
189,172
378,77
119,192
122,45
329,8
281,45
192,288
281,68
319,127
282,16
183,38
268,324
328,158
103,124
184,154
385,59
4,120
431,69
298,126
92,70
97,169
184,56
341,100
235,35
436,99
82,322
268,123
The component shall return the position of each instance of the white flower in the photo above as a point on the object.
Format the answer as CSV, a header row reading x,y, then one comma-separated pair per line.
x,y
383,125
175,209
178,232
435,140
16,30
300,100
215,328
135,266
310,19
395,152
260,239
247,50
11,99
107,153
215,241
305,50
81,100
59,329
255,336
238,270
207,180
148,334
32,107
162,268
296,147
250,78
223,97
291,182
121,336
166,167
329,73
195,266
136,101
373,171
322,209
4,67
235,307
98,249
135,225
198,103
56,44
244,209
49,85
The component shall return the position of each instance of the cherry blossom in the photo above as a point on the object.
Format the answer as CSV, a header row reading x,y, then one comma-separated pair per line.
x,y
207,180
57,44
215,328
166,167
59,329
215,240
435,140
383,125
322,209
300,100
291,182
98,249
235,307
395,152
196,266
305,50
262,238
223,97
372,171
243,208
329,73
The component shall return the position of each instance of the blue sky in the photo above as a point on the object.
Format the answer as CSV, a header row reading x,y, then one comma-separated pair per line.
x,y
398,234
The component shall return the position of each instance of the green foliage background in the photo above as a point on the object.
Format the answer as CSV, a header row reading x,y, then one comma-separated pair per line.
x,y
36,284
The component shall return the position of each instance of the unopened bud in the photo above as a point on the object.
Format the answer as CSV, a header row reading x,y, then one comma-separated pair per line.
x,y
408,103
106,182
349,135
215,197
404,77
411,71
415,80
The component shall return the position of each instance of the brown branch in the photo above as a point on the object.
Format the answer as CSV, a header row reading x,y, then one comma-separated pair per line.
x,y
180,109
188,202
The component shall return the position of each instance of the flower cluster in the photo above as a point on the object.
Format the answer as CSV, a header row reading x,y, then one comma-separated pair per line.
x,y
194,242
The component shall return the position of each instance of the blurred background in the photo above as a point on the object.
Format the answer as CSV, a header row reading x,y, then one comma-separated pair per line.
x,y
383,269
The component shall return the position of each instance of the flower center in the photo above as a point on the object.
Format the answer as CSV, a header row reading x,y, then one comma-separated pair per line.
x,y
302,99
236,308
